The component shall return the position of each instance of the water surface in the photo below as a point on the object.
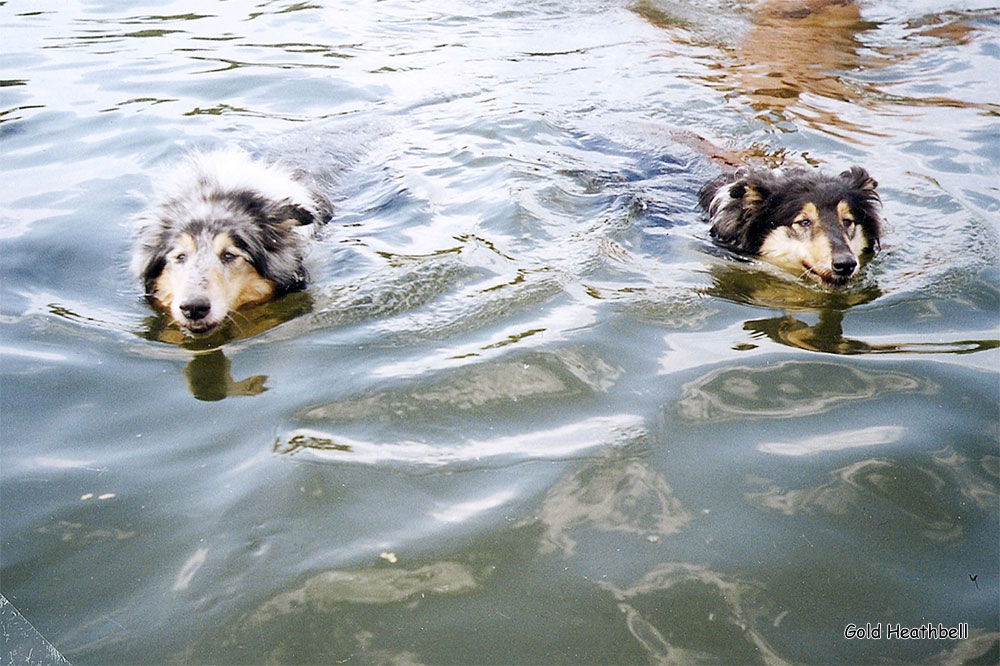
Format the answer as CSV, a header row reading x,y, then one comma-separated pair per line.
x,y
526,413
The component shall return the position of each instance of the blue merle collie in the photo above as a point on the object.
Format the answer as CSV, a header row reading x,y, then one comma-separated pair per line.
x,y
812,224
222,233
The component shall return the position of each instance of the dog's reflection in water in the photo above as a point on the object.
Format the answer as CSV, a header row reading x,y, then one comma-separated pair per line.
x,y
826,335
741,282
208,372
209,378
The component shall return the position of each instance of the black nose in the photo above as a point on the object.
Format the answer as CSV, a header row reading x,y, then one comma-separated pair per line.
x,y
844,264
196,310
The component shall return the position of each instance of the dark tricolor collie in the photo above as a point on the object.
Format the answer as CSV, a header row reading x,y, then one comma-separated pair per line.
x,y
221,233
810,223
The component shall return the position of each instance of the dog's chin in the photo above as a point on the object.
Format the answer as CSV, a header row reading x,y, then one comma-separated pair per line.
x,y
836,282
199,329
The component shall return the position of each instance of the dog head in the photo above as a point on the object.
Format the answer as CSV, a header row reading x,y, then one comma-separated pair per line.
x,y
809,223
210,247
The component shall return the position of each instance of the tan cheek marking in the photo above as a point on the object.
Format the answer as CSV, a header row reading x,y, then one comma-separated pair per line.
x,y
785,248
163,291
250,287
218,289
782,247
239,282
859,243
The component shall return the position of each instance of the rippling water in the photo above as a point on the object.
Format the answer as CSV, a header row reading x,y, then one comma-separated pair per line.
x,y
527,413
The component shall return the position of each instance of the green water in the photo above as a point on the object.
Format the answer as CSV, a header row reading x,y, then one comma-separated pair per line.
x,y
526,413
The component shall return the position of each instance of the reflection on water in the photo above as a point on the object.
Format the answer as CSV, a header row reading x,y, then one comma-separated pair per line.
x,y
521,367
793,50
976,480
613,493
757,283
687,614
190,568
461,512
827,336
787,52
408,283
208,378
798,61
902,492
80,534
789,389
244,323
323,592
560,442
522,382
349,607
835,441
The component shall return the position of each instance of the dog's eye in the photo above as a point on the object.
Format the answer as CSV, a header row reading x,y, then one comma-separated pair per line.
x,y
228,257
180,258
804,222
848,221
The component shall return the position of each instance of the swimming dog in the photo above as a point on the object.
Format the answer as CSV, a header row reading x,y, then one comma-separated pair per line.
x,y
807,222
221,233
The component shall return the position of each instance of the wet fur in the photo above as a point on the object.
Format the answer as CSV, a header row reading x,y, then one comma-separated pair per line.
x,y
220,233
813,224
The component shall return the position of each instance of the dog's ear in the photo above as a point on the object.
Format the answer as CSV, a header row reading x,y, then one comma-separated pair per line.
x,y
750,191
151,271
292,214
867,201
733,218
149,254
857,178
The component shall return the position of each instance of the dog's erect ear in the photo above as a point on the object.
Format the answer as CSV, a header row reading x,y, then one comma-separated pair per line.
x,y
857,178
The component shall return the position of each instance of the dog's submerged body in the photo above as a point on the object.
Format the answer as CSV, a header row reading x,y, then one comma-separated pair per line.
x,y
812,224
221,233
